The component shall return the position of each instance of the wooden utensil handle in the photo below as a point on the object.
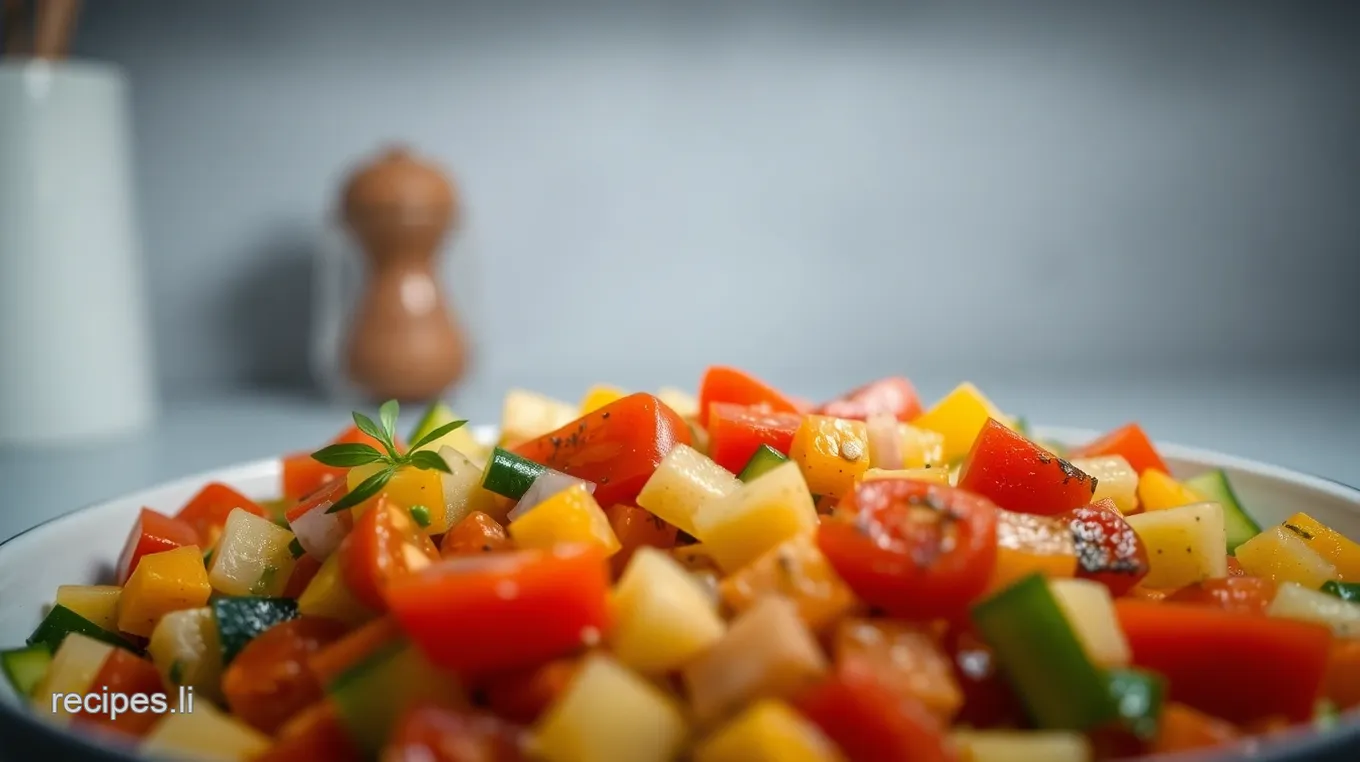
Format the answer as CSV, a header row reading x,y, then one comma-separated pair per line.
x,y
56,20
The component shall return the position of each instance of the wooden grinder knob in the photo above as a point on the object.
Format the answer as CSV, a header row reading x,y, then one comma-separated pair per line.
x,y
404,342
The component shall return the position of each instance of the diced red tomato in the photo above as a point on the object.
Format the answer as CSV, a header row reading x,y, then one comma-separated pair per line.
x,y
637,528
128,675
207,511
475,533
735,432
1129,441
1343,673
1181,728
522,695
528,606
870,724
154,532
302,475
618,446
1140,593
916,549
385,544
1232,665
315,734
723,384
1108,550
1019,475
303,571
894,395
432,733
268,682
335,659
1248,594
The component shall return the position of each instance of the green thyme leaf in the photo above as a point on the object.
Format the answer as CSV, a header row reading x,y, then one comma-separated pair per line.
x,y
421,514
372,429
366,489
387,413
437,433
347,455
429,461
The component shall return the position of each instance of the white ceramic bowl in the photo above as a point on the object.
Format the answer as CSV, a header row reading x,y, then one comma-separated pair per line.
x,y
82,547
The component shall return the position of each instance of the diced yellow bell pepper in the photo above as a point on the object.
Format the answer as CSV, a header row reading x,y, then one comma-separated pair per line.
x,y
1158,491
163,582
408,487
679,400
1341,551
959,417
74,667
1114,478
770,731
570,516
797,570
921,448
205,734
327,596
1023,746
832,453
97,603
1282,555
1028,544
760,514
600,395
932,475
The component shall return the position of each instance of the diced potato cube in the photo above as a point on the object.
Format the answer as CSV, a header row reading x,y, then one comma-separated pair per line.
x,y
609,713
1115,479
932,475
1185,545
204,734
770,731
679,400
1158,491
328,596
1023,746
663,618
1294,601
172,580
598,396
408,487
959,417
1339,550
757,516
1090,610
73,669
252,558
684,481
570,516
832,453
1280,554
463,494
526,415
921,448
187,651
796,570
97,603
767,653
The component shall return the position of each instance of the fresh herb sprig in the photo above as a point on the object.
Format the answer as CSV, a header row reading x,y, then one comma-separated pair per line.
x,y
351,455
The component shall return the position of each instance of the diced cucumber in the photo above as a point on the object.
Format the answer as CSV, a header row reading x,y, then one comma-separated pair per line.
x,y
1214,485
26,666
61,621
1346,591
761,462
371,695
1137,696
510,475
241,620
436,415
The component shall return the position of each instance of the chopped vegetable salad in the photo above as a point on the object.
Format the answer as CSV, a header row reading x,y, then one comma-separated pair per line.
x,y
733,577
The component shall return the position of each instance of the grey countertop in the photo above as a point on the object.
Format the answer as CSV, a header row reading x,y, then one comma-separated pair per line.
x,y
1307,422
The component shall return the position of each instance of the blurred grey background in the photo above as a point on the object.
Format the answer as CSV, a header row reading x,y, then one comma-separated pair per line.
x,y
1097,211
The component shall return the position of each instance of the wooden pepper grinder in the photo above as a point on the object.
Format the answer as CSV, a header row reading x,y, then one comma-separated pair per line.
x,y
404,341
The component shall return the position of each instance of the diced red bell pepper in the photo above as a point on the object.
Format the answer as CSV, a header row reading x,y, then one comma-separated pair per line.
x,y
303,571
1180,728
618,446
337,658
207,511
477,615
637,528
268,682
428,732
871,724
1248,594
1343,673
894,395
302,475
385,544
1108,550
475,533
1235,568
1021,476
154,532
723,384
1240,667
1131,442
316,733
125,675
735,432
522,695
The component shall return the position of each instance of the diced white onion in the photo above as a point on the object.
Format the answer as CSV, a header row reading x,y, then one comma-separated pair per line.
x,y
885,446
319,533
547,484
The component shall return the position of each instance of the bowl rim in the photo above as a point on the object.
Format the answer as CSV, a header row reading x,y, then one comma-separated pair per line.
x,y
28,735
